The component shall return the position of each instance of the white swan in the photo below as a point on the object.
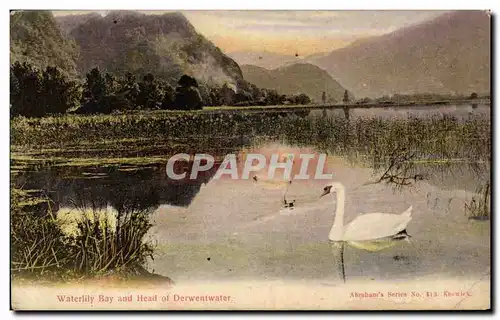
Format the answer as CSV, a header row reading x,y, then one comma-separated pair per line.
x,y
368,226
370,231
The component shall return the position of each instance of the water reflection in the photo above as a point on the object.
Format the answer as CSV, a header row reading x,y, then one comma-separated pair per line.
x,y
149,187
126,188
144,187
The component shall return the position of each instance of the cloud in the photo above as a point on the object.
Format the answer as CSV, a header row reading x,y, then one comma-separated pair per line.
x,y
346,22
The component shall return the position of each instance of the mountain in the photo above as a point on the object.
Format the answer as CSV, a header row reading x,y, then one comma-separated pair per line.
x,y
166,45
449,54
36,38
69,22
268,60
295,79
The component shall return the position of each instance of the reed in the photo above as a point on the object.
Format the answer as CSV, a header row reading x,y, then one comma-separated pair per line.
x,y
41,246
478,208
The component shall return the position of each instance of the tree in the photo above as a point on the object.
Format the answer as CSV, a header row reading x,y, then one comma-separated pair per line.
x,y
95,86
271,97
473,95
255,92
302,99
112,84
323,97
168,97
25,89
94,91
35,94
365,100
187,95
101,93
214,96
281,99
150,92
188,98
242,97
227,95
58,94
346,97
187,81
130,89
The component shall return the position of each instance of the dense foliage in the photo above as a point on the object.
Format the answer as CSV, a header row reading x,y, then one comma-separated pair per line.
x,y
35,93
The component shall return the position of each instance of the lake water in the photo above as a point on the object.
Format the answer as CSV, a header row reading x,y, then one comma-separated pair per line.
x,y
225,229
237,230
458,111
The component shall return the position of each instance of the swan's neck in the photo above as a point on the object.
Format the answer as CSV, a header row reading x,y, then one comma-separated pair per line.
x,y
337,230
339,211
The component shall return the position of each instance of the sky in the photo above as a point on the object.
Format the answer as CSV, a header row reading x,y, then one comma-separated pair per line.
x,y
287,32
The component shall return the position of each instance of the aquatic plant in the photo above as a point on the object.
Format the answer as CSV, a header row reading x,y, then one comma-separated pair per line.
x,y
43,245
478,208
104,247
38,246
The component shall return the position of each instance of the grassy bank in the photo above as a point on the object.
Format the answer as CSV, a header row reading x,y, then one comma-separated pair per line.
x,y
149,134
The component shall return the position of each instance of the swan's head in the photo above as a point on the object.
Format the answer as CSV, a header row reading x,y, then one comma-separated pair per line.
x,y
331,188
326,190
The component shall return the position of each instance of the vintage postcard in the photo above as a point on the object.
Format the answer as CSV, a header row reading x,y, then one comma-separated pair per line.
x,y
250,160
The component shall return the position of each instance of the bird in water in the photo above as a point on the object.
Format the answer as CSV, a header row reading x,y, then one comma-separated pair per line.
x,y
288,204
369,231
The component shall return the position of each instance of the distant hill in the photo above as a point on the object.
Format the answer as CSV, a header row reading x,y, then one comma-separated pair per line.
x,y
449,54
35,37
268,60
295,79
166,45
